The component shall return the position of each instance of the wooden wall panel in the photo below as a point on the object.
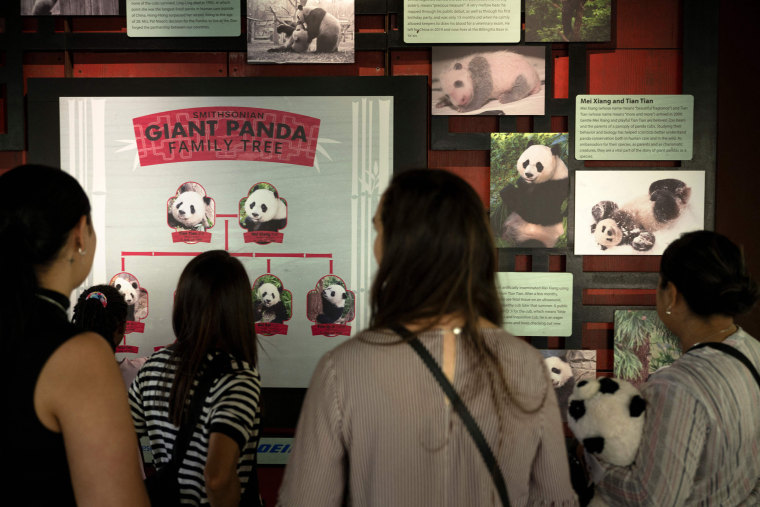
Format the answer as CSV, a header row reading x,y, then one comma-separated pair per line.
x,y
145,64
646,71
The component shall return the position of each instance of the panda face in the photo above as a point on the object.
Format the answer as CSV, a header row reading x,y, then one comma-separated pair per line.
x,y
537,164
262,205
559,371
457,84
127,289
268,294
300,39
335,294
607,233
189,209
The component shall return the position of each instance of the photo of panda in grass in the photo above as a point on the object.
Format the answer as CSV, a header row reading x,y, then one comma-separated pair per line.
x,y
529,190
191,209
135,296
330,302
272,303
263,209
636,212
566,368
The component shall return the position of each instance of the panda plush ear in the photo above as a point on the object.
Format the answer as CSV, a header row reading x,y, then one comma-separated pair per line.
x,y
207,200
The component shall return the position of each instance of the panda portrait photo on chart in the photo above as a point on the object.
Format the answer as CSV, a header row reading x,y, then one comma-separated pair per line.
x,y
529,190
273,304
302,31
191,209
135,296
263,213
636,212
488,80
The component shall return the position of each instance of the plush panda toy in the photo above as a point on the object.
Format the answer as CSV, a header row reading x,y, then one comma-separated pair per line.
x,y
333,303
269,306
135,297
265,211
636,221
191,211
536,204
607,416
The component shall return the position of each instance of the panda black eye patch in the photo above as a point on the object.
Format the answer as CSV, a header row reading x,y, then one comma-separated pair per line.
x,y
264,208
458,84
252,205
526,163
555,370
539,166
192,209
178,205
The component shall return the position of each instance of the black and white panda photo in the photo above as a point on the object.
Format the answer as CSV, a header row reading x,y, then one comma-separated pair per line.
x,y
191,209
303,31
636,212
263,209
530,187
269,306
70,8
135,296
330,302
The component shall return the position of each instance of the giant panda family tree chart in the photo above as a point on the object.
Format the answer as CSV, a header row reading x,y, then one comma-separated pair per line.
x,y
288,185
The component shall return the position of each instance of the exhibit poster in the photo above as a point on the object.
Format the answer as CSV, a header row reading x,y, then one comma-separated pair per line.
x,y
529,190
69,7
453,21
643,345
636,212
568,20
491,80
301,31
180,18
566,368
288,185
536,304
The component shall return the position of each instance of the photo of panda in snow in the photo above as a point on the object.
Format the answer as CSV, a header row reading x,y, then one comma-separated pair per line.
x,y
636,212
330,302
135,296
272,303
530,187
263,209
303,31
566,368
191,209
489,80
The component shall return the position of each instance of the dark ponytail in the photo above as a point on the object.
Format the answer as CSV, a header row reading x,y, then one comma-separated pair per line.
x,y
101,309
39,208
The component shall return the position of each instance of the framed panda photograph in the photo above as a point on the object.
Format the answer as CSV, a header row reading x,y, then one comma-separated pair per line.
x,y
489,80
566,368
301,31
636,212
529,190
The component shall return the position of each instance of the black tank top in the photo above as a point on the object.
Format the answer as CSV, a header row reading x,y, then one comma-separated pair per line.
x,y
37,472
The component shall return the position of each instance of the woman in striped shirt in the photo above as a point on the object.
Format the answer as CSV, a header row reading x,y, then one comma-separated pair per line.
x,y
213,320
376,428
701,440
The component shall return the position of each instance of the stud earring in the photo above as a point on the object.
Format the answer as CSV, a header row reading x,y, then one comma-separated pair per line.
x,y
81,252
668,311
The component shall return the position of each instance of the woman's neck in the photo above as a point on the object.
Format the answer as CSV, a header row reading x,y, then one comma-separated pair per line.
x,y
714,328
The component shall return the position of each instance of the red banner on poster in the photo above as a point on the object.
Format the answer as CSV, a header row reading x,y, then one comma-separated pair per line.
x,y
226,133
330,330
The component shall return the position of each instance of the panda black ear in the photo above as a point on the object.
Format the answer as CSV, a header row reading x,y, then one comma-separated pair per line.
x,y
134,285
345,296
207,200
593,228
530,143
556,149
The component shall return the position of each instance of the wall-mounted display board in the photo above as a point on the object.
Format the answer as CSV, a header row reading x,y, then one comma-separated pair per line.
x,y
286,182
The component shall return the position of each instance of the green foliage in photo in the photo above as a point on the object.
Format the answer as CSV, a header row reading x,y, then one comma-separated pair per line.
x,y
543,21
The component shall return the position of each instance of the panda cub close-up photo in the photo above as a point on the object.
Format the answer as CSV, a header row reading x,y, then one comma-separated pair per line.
x,y
566,368
269,306
191,209
135,296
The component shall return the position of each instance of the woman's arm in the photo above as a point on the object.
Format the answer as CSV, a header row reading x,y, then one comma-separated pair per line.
x,y
222,482
80,393
317,467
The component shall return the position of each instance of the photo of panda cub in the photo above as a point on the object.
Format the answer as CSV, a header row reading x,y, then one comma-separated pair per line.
x,y
330,302
269,306
135,296
530,189
263,209
191,209
566,368
333,304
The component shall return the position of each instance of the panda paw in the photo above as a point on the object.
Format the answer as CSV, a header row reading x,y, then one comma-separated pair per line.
x,y
514,229
643,242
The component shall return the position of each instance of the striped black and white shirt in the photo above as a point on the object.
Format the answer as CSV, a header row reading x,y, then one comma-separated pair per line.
x,y
231,408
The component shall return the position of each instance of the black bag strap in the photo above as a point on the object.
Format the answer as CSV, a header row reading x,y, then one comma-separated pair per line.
x,y
728,349
461,409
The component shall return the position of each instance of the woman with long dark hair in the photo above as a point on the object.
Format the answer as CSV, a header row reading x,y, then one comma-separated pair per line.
x,y
214,325
376,428
69,439
701,439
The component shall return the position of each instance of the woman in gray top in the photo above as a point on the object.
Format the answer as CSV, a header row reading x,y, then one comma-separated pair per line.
x,y
376,428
